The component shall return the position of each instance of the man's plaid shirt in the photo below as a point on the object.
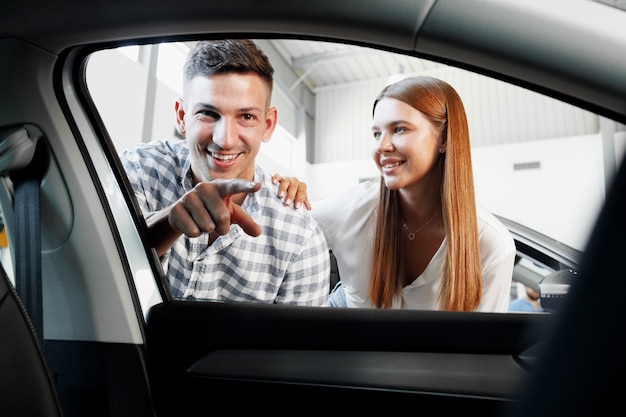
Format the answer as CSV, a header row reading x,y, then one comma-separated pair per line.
x,y
288,263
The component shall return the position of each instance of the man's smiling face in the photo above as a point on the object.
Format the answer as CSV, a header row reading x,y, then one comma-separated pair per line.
x,y
225,118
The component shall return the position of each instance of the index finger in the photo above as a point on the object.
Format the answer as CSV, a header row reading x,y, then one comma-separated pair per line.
x,y
216,205
243,219
227,187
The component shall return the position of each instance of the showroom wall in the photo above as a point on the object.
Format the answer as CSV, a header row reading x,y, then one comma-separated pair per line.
x,y
527,149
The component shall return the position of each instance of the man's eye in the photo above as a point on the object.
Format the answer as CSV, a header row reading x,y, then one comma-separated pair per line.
x,y
399,129
208,113
248,119
376,135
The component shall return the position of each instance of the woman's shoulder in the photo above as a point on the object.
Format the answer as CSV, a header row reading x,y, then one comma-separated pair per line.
x,y
492,230
351,201
350,209
361,194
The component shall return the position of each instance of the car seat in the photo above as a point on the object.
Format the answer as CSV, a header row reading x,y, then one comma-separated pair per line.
x,y
26,385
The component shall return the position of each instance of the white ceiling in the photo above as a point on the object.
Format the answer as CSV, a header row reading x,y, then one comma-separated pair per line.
x,y
323,64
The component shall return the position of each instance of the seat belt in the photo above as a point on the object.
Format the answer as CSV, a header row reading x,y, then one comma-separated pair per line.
x,y
28,249
27,162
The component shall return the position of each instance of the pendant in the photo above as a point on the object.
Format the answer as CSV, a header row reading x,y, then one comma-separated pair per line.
x,y
411,235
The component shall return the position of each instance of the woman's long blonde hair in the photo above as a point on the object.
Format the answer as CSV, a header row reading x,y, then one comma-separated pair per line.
x,y
461,285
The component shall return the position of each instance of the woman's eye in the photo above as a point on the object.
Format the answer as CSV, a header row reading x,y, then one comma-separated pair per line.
x,y
376,135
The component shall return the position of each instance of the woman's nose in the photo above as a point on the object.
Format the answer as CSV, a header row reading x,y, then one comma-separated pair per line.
x,y
384,143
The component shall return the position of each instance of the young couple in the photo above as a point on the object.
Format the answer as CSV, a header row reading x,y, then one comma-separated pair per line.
x,y
415,239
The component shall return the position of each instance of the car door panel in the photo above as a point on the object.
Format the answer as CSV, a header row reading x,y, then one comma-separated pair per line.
x,y
463,374
421,357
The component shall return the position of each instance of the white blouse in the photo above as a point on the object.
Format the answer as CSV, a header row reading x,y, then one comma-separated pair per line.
x,y
348,221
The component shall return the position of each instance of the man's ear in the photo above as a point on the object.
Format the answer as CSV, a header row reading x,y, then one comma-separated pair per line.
x,y
179,108
271,120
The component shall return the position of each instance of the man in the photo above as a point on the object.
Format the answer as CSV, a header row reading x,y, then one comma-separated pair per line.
x,y
214,216
530,302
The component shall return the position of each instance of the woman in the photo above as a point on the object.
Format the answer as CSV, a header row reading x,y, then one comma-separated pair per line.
x,y
416,239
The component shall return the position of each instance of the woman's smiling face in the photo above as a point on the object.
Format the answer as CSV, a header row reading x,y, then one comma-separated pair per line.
x,y
406,144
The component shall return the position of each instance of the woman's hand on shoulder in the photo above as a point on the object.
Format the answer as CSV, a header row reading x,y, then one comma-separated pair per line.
x,y
291,189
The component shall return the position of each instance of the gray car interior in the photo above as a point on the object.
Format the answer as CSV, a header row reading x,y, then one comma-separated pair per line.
x,y
568,361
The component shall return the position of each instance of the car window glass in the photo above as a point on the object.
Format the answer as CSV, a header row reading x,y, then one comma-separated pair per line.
x,y
538,162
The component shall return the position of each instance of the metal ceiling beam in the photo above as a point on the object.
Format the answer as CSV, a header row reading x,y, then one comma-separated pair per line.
x,y
304,62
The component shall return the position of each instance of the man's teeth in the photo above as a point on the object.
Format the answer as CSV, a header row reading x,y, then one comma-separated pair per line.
x,y
223,157
387,166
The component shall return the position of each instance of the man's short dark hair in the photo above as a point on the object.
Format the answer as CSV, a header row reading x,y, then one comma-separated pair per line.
x,y
240,56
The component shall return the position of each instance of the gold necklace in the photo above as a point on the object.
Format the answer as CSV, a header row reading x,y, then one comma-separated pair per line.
x,y
412,234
